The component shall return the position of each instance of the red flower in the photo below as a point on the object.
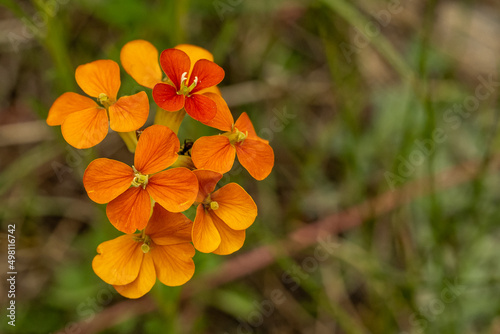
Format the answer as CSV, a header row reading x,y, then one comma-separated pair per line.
x,y
184,87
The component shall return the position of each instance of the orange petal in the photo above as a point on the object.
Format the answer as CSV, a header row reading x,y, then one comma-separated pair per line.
x,y
174,189
105,179
86,128
140,59
97,77
130,211
244,124
144,281
156,150
129,113
168,228
208,73
213,89
119,260
166,97
256,156
207,180
214,153
200,107
174,264
223,120
231,240
67,104
174,63
206,237
236,207
195,53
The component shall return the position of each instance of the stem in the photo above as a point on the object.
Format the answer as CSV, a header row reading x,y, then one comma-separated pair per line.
x,y
171,119
130,139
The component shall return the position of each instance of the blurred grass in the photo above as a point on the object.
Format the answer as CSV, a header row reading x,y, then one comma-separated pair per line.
x,y
351,120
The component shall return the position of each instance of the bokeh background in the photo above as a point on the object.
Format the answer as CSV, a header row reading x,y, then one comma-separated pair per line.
x,y
381,214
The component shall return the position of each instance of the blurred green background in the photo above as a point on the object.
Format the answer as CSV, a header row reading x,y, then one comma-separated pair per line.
x,y
381,214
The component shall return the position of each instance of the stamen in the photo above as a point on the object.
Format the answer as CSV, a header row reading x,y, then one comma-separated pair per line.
x,y
214,205
183,78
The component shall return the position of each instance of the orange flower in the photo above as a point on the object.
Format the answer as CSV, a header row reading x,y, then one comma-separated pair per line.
x,y
184,87
84,123
128,190
217,152
132,262
222,216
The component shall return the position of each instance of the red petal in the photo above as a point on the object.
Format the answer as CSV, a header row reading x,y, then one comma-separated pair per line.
x,y
156,150
105,179
174,189
166,97
200,107
208,73
130,211
256,156
174,63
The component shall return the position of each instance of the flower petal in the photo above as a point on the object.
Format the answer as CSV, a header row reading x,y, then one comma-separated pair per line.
x,y
97,77
195,53
244,124
143,283
231,240
67,104
156,150
166,97
174,189
174,264
140,59
129,113
130,211
236,207
256,156
86,128
223,120
214,153
105,179
207,180
200,107
206,237
208,73
174,63
168,228
119,260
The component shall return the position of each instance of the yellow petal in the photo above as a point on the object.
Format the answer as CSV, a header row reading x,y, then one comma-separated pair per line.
x,y
140,59
99,77
67,104
231,240
119,260
85,128
129,113
174,264
206,237
236,207
144,281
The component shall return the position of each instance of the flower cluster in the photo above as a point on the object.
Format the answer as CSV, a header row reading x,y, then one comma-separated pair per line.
x,y
146,201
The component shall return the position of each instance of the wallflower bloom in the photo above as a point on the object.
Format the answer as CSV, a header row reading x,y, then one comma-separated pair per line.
x,y
185,85
218,152
132,262
128,189
222,216
84,122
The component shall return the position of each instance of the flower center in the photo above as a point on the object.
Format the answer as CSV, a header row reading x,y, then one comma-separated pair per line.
x,y
104,100
237,136
209,204
184,89
139,179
